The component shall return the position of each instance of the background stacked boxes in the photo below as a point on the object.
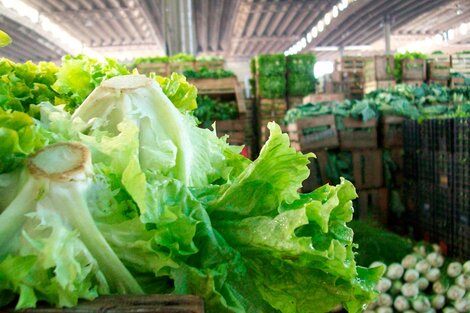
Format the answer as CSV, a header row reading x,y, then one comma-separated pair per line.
x,y
352,69
271,104
379,73
460,70
279,81
300,77
439,69
413,71
442,180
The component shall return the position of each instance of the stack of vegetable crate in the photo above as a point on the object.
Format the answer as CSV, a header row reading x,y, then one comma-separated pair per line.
x,y
413,71
352,69
300,78
226,88
460,66
361,140
442,178
438,66
270,74
378,73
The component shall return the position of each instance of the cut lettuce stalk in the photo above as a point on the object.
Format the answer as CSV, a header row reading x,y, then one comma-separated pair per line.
x,y
59,176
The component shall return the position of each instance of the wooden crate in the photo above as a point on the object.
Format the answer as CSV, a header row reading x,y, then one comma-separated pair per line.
x,y
415,83
180,67
461,63
317,168
130,304
210,65
413,70
235,129
443,82
368,168
269,107
215,85
162,69
373,204
378,68
352,64
321,97
392,131
358,134
378,84
294,101
323,139
439,67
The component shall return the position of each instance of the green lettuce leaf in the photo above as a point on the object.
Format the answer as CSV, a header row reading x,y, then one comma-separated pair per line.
x,y
5,40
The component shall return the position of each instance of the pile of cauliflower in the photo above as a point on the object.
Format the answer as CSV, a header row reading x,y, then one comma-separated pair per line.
x,y
424,282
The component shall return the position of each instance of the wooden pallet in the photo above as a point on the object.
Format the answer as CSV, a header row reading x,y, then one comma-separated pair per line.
x,y
130,304
321,97
392,131
352,64
307,142
415,83
358,134
162,69
373,204
180,67
379,68
374,85
235,129
439,67
367,168
210,65
413,70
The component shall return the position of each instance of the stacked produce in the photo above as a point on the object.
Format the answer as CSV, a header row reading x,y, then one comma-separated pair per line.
x,y
424,281
124,194
415,67
271,76
209,110
208,73
300,77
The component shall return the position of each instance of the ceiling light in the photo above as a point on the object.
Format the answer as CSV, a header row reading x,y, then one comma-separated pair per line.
x,y
326,48
327,19
463,29
340,6
314,32
309,37
345,3
438,39
335,11
320,26
450,34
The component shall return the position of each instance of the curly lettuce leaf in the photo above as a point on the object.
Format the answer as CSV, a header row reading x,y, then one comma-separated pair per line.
x,y
5,40
263,185
181,93
19,136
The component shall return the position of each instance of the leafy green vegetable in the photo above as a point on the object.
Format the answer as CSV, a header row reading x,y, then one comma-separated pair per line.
x,y
271,65
19,137
181,57
300,85
24,84
155,59
272,87
5,40
210,110
170,208
181,93
399,57
207,73
79,75
209,58
302,64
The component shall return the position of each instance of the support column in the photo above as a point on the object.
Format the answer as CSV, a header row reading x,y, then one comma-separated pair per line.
x,y
387,34
179,26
